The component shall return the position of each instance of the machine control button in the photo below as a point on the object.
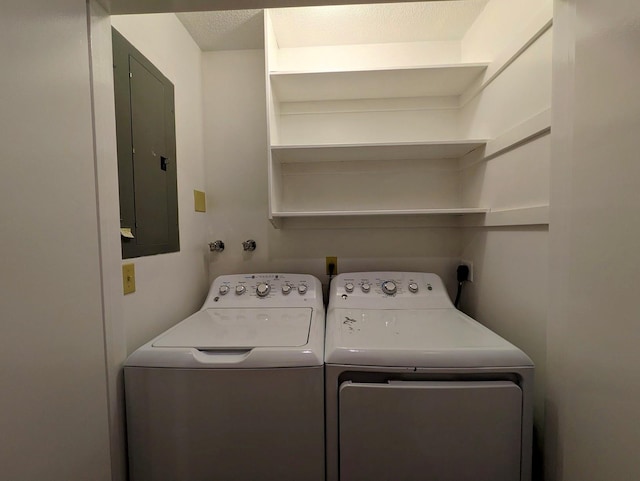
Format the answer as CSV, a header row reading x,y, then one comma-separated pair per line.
x,y
224,289
348,287
389,287
302,289
286,289
366,287
413,287
240,289
263,289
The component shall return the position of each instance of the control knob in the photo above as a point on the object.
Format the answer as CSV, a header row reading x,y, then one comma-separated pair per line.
x,y
366,287
348,287
263,289
286,289
389,287
224,289
413,287
240,289
302,289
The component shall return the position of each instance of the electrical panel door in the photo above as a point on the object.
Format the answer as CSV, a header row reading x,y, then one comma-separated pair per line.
x,y
145,124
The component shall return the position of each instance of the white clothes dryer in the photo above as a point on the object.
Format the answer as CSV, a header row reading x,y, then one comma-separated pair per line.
x,y
417,390
235,391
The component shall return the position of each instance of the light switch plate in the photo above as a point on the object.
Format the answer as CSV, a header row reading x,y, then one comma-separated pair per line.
x,y
128,278
200,201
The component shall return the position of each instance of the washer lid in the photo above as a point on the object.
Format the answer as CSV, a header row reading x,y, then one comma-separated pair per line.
x,y
415,338
240,328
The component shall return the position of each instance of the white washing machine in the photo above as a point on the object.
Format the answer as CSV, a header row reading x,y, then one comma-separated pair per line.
x,y
417,390
234,392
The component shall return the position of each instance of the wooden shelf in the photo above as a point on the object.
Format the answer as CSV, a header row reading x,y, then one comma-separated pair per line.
x,y
521,216
458,217
453,149
381,212
364,218
419,81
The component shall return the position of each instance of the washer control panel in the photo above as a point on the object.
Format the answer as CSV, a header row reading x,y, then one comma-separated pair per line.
x,y
388,285
247,289
389,289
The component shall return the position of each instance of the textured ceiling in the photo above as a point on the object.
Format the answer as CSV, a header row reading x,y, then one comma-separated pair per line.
x,y
335,25
225,30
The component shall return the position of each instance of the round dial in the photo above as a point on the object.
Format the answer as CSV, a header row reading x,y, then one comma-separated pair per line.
x,y
286,289
302,289
413,287
366,287
263,289
389,287
348,287
223,290
240,289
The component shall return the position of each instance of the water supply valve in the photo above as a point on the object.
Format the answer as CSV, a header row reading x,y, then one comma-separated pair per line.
x,y
216,246
249,245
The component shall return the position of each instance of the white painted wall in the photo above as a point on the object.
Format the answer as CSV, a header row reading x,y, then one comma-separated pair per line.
x,y
520,92
171,286
509,295
594,322
53,378
380,55
509,290
236,153
499,19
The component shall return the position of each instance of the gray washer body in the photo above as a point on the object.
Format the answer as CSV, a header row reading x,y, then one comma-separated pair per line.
x,y
225,424
234,392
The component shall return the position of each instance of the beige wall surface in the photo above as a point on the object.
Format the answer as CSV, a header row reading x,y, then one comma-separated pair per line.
x,y
53,401
593,403
169,287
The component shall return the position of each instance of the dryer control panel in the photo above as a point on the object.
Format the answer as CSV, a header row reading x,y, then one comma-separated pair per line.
x,y
389,290
270,289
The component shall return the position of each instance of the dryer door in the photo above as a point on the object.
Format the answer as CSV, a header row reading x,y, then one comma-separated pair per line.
x,y
440,431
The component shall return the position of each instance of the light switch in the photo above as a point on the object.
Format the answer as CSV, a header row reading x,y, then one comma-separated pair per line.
x,y
128,278
200,201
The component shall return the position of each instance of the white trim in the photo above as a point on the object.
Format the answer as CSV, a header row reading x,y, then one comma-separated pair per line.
x,y
530,129
382,212
389,82
415,218
379,219
368,222
449,149
266,19
398,104
523,216
427,68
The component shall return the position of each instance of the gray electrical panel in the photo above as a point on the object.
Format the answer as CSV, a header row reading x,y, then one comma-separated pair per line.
x,y
145,127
